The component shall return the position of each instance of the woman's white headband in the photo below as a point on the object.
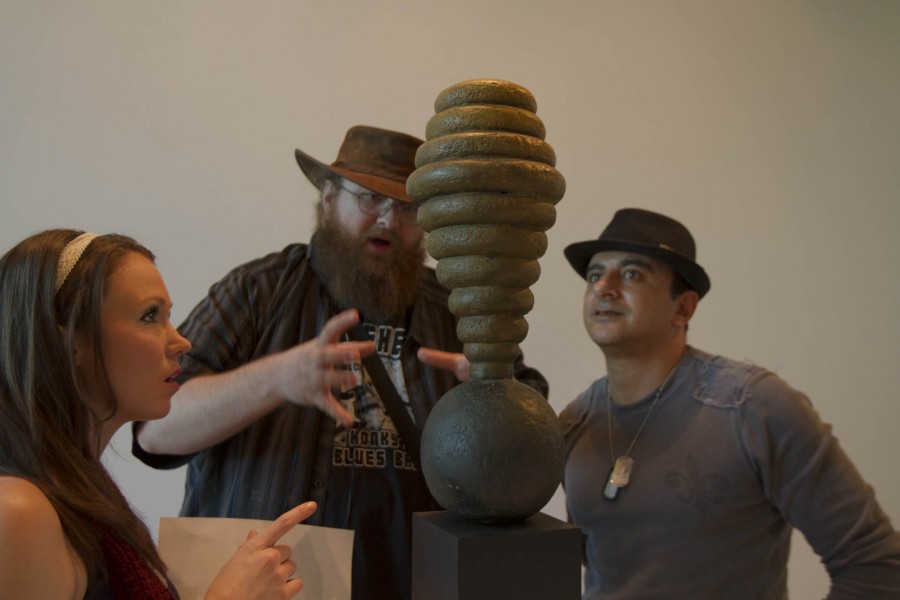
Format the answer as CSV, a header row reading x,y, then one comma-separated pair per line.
x,y
69,257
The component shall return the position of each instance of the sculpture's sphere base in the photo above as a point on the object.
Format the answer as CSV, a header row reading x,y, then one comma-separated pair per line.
x,y
493,451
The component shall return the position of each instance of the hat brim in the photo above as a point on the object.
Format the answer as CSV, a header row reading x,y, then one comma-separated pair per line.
x,y
580,253
318,172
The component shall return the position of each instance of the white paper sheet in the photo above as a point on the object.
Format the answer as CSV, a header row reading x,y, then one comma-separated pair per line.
x,y
194,549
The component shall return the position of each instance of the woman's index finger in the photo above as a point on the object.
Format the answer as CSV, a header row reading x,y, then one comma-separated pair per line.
x,y
270,535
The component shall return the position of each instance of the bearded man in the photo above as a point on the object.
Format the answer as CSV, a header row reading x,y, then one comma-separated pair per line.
x,y
271,354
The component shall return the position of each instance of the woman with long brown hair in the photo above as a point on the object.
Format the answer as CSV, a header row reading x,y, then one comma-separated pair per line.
x,y
86,346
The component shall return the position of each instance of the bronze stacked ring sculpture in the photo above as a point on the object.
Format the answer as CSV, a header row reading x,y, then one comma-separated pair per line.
x,y
492,448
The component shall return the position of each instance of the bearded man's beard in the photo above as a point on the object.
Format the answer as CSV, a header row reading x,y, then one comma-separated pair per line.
x,y
382,287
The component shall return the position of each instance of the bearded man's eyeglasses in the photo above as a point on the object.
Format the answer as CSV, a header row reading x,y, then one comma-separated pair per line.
x,y
376,205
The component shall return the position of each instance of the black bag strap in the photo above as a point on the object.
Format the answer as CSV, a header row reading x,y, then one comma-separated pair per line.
x,y
393,404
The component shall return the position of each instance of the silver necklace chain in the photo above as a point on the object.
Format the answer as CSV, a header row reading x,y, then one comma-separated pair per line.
x,y
620,472
659,392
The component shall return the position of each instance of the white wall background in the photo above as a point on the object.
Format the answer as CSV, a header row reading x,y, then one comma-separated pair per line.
x,y
771,128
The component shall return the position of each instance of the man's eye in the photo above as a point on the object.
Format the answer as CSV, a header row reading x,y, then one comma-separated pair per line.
x,y
368,198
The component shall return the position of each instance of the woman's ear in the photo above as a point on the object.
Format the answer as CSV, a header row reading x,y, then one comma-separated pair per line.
x,y
80,347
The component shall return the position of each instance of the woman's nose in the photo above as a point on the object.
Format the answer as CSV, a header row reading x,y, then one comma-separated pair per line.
x,y
180,344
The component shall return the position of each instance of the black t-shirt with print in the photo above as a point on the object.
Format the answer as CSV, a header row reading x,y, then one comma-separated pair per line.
x,y
373,485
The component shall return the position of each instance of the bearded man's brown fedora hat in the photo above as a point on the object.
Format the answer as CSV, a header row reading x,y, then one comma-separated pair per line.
x,y
377,159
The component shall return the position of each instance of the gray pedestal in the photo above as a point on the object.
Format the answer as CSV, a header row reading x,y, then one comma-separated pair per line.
x,y
453,559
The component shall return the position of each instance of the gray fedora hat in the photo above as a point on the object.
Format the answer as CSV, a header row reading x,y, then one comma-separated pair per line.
x,y
648,233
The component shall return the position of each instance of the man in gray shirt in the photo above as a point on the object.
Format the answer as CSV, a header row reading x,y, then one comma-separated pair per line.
x,y
688,471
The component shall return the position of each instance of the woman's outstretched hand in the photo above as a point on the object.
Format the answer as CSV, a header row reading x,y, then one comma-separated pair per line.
x,y
261,569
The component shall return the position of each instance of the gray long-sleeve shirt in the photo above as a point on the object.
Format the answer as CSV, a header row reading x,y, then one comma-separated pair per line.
x,y
731,459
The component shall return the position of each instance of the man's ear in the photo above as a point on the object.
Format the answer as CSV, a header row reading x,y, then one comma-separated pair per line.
x,y
686,304
329,191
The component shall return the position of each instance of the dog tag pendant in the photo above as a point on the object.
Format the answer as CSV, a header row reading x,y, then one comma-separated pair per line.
x,y
610,490
618,477
621,473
